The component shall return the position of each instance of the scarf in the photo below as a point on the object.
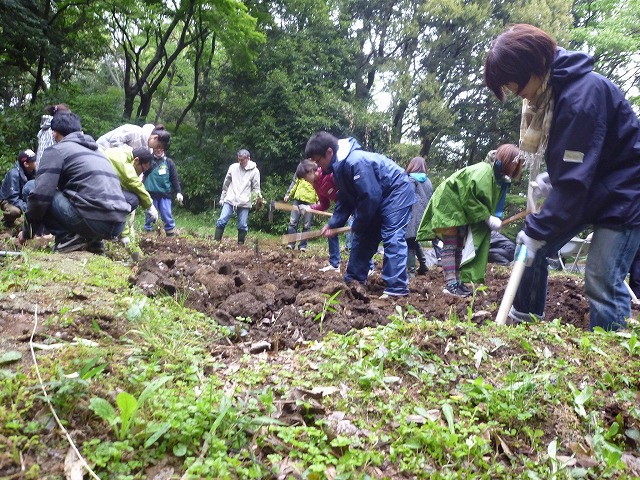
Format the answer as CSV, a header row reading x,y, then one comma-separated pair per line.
x,y
535,125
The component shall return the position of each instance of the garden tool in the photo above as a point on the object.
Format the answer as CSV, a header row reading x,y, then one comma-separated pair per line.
x,y
515,217
5,253
285,206
512,287
296,237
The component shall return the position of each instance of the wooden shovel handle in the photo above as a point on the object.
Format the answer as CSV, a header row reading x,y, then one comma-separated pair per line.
x,y
515,217
296,237
288,208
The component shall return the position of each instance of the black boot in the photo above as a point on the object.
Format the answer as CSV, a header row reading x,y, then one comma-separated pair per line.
x,y
241,236
422,259
411,263
219,232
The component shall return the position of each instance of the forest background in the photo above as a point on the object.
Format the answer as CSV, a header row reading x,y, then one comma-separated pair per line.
x,y
402,76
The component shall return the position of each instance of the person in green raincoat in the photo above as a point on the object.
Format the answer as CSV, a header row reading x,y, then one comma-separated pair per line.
x,y
463,210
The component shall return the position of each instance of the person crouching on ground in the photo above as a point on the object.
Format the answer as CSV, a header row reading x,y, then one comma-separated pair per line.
x,y
77,195
303,194
381,195
17,184
463,210
129,165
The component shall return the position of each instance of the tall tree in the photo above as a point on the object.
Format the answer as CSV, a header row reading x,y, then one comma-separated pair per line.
x,y
152,36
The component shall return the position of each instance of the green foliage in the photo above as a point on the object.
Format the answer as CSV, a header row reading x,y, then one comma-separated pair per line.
x,y
128,408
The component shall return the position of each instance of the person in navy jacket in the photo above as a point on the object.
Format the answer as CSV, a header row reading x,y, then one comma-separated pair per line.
x,y
380,194
582,126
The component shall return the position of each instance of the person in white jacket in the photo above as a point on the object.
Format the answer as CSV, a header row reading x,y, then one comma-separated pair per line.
x,y
241,187
149,135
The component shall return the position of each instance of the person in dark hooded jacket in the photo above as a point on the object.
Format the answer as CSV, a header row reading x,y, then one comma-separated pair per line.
x,y
16,186
380,194
582,126
77,195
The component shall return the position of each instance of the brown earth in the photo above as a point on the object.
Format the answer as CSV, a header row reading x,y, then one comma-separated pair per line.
x,y
268,293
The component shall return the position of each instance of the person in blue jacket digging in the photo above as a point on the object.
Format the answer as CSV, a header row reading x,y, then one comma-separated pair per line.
x,y
380,194
582,126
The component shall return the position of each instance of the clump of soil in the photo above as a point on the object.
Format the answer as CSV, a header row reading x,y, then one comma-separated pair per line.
x,y
268,293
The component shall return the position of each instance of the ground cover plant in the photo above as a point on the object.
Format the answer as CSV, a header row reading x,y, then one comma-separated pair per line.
x,y
208,360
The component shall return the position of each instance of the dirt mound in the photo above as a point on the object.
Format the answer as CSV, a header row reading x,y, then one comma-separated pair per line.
x,y
267,293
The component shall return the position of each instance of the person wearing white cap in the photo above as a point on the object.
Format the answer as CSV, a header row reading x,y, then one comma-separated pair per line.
x,y
17,184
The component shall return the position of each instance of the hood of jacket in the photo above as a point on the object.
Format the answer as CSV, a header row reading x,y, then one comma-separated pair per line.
x,y
569,66
419,177
250,165
345,147
81,138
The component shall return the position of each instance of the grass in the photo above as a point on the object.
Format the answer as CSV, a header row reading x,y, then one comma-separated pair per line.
x,y
417,398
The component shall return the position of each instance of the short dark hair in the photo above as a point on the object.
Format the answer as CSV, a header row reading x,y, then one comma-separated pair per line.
x,y
164,136
319,143
65,123
517,54
143,154
304,167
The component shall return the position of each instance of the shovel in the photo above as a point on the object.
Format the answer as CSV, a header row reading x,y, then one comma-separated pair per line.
x,y
274,205
296,237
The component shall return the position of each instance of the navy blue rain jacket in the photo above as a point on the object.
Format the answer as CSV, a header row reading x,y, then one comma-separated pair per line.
x,y
370,185
12,185
593,155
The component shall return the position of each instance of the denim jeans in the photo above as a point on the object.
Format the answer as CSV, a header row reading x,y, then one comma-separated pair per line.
x,y
163,205
390,227
294,221
610,255
63,219
334,250
225,215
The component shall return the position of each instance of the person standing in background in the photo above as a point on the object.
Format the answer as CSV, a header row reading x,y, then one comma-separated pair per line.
x,y
162,182
45,135
241,185
417,171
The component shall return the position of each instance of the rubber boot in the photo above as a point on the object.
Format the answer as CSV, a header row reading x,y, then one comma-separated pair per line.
x,y
422,259
219,232
241,236
411,263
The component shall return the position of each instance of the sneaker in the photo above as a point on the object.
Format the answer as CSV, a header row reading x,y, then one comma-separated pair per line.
x,y
289,247
70,244
125,241
455,290
465,289
302,249
422,270
330,268
387,296
171,233
96,246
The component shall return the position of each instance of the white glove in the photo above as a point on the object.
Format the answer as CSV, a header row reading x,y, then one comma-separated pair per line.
x,y
532,246
494,223
541,186
179,198
153,213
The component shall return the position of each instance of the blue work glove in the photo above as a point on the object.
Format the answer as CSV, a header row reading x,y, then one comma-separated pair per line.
x,y
532,245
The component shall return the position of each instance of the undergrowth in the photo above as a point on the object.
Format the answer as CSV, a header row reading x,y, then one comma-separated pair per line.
x,y
417,398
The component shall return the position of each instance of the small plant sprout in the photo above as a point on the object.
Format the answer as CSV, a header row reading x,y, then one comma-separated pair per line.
x,y
328,306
